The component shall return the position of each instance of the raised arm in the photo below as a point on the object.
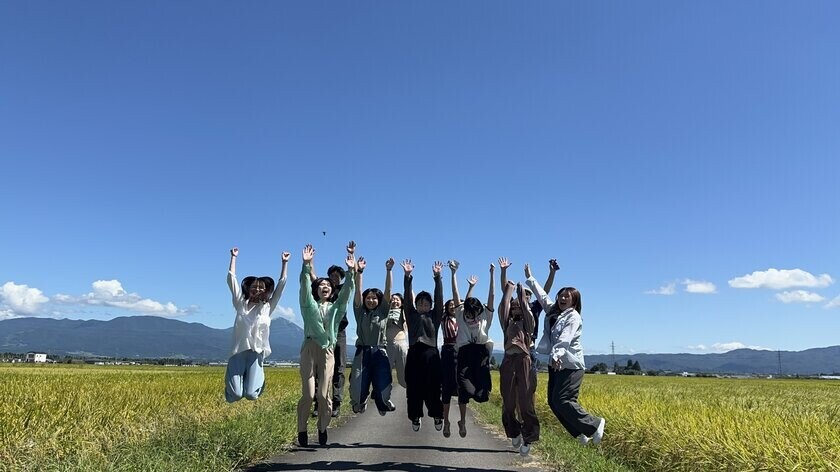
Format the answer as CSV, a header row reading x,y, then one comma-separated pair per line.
x,y
437,308
537,290
504,305
408,290
491,293
360,267
528,320
453,268
553,267
339,307
233,285
472,281
307,303
504,263
389,280
281,283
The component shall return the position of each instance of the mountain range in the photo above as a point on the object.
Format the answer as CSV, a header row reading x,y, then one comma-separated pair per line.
x,y
156,337
137,337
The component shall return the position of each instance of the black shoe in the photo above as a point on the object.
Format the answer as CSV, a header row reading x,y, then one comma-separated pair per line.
x,y
322,437
336,409
315,413
303,439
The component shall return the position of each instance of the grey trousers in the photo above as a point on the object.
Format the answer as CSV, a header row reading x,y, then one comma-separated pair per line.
x,y
563,389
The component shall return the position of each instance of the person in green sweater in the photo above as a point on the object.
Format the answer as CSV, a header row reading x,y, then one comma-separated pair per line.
x,y
321,318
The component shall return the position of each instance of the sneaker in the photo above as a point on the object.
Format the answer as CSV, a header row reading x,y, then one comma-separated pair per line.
x,y
517,441
462,429
524,449
322,437
303,439
446,432
315,413
391,406
438,424
599,433
336,411
583,440
360,408
415,424
382,412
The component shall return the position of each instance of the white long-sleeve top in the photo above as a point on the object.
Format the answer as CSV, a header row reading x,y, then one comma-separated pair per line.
x,y
251,328
560,341
474,331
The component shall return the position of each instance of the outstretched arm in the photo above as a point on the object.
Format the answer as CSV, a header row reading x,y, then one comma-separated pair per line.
x,y
553,267
408,289
307,303
472,281
527,317
437,308
389,266
231,277
504,263
360,267
537,290
491,295
281,283
504,305
453,268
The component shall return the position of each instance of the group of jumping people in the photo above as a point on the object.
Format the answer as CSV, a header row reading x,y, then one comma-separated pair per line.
x,y
401,332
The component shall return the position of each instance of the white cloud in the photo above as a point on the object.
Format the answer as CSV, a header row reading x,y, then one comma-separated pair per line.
x,y
111,293
699,286
7,314
668,289
725,347
283,312
799,296
21,299
781,279
833,303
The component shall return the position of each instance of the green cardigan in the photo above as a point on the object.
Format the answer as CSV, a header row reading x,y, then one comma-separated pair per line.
x,y
313,326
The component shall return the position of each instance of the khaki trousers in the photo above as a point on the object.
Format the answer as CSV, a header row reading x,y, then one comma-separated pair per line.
x,y
315,360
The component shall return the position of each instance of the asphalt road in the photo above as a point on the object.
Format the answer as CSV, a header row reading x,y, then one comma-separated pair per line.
x,y
369,441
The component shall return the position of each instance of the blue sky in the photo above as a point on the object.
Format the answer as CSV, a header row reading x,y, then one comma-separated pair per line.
x,y
677,158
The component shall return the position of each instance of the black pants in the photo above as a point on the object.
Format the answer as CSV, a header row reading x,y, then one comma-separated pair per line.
x,y
474,373
449,372
563,389
422,379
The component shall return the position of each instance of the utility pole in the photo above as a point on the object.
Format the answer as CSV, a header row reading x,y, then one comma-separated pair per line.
x,y
612,348
780,362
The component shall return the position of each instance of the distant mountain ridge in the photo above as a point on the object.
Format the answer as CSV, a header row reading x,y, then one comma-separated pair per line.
x,y
823,360
137,336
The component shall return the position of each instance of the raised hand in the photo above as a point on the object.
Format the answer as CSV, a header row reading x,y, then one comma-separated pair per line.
x,y
285,256
389,264
351,247
407,266
527,271
492,268
553,265
437,267
472,280
453,265
308,253
234,252
361,263
350,261
504,263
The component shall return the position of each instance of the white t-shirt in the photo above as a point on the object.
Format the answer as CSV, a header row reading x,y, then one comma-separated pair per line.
x,y
251,328
474,331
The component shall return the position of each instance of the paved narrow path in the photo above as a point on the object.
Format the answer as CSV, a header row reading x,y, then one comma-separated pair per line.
x,y
372,442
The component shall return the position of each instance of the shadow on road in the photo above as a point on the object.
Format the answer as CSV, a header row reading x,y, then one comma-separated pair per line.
x,y
352,465
407,446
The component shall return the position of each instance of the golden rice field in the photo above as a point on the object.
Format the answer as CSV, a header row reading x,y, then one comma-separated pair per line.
x,y
150,418
700,424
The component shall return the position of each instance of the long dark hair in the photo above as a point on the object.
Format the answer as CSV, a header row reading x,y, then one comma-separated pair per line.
x,y
473,306
267,282
316,283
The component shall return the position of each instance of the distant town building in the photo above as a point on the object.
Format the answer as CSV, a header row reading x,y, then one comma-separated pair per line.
x,y
37,357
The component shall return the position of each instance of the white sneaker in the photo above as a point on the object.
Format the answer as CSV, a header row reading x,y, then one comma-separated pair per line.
x,y
415,425
517,441
596,438
524,449
583,440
